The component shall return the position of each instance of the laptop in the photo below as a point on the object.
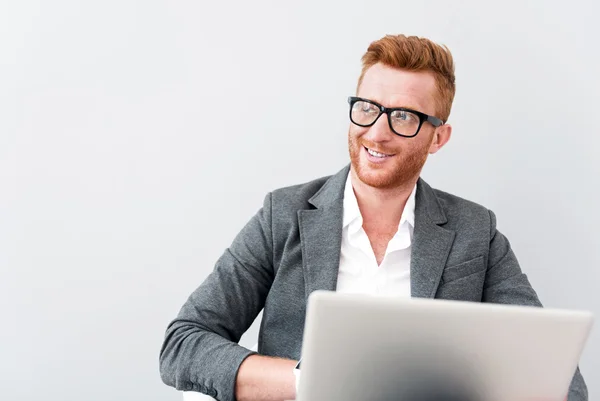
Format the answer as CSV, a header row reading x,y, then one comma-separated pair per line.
x,y
359,347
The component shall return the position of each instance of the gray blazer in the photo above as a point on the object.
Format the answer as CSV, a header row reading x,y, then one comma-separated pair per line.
x,y
291,248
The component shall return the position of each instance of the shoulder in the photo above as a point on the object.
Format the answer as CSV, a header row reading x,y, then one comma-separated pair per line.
x,y
296,197
452,202
462,212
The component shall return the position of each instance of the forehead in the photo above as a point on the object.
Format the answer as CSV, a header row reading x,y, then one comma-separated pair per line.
x,y
393,87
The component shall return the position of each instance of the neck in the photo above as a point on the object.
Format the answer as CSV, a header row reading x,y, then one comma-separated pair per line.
x,y
382,204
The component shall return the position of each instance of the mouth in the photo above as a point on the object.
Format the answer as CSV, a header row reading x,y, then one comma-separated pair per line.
x,y
377,155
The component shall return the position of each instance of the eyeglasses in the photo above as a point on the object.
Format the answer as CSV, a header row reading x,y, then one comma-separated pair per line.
x,y
402,121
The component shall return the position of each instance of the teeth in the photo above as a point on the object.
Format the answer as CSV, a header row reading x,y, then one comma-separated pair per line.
x,y
376,154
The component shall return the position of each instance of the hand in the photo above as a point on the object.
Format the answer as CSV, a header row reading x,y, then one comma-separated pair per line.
x,y
263,378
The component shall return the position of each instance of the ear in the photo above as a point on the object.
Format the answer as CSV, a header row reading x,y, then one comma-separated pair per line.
x,y
441,136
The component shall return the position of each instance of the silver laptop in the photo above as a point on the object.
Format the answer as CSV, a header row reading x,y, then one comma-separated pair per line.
x,y
358,347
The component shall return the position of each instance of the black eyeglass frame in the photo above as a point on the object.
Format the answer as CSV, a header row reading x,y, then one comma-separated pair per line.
x,y
436,122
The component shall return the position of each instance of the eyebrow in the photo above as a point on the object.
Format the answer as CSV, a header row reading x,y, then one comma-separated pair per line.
x,y
411,107
407,107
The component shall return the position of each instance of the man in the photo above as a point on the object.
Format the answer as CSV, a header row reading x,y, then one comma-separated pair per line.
x,y
375,227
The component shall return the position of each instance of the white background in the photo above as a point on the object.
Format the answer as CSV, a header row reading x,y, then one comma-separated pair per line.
x,y
138,137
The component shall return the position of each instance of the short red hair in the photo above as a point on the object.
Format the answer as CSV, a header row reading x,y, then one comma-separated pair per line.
x,y
413,53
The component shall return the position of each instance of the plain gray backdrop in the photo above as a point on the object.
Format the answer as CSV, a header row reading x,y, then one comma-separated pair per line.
x,y
138,137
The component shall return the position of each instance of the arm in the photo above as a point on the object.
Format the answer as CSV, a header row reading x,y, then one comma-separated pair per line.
x,y
267,379
200,350
505,283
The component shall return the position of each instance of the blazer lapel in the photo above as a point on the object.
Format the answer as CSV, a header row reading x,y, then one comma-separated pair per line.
x,y
321,234
321,238
431,243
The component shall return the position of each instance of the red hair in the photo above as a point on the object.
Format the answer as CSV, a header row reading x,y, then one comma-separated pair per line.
x,y
413,53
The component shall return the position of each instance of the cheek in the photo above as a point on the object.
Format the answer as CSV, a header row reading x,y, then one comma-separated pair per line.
x,y
356,132
418,144
407,147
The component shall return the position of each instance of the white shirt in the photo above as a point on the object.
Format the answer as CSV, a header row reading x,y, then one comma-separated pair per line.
x,y
359,272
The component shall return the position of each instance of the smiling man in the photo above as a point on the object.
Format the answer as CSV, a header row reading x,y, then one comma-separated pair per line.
x,y
373,228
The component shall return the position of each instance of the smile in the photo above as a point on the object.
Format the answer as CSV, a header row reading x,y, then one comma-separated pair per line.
x,y
377,154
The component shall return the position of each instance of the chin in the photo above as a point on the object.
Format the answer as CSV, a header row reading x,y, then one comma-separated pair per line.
x,y
377,177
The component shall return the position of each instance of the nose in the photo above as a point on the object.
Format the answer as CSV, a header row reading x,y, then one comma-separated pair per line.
x,y
380,131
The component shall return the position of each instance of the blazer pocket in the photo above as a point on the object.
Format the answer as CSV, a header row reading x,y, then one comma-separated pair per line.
x,y
463,269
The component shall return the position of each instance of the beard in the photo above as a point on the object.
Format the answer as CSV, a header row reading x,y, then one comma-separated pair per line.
x,y
404,167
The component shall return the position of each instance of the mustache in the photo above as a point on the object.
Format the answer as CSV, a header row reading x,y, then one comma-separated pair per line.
x,y
378,148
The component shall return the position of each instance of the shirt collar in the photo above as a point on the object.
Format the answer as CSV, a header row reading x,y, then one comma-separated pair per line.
x,y
352,211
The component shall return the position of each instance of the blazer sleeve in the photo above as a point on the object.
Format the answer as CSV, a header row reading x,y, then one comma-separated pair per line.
x,y
505,283
200,351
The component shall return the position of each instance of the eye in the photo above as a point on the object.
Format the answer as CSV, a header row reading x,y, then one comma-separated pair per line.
x,y
405,117
400,115
368,108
